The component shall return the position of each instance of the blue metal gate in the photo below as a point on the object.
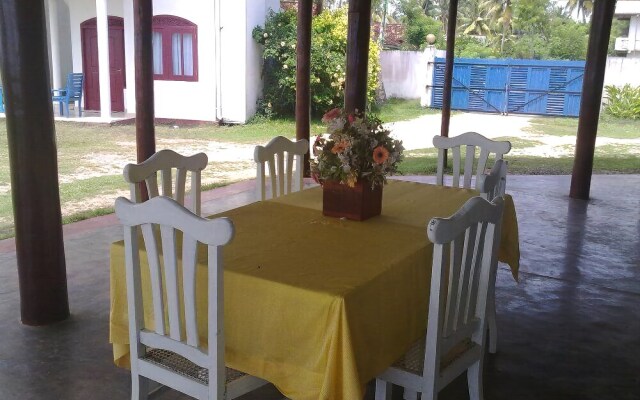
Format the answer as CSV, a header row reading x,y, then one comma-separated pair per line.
x,y
546,87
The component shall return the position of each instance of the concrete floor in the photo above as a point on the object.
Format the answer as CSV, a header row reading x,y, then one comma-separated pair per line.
x,y
569,330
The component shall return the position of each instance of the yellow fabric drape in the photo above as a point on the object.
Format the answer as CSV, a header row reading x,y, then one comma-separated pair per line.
x,y
317,305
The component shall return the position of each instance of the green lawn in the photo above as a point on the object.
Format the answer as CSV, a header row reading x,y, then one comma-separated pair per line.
x,y
607,127
401,110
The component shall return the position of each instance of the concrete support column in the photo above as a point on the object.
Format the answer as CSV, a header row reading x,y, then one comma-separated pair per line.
x,y
102,22
54,43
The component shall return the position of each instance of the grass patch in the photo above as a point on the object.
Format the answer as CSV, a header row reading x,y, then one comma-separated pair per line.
x,y
608,126
519,143
423,162
394,110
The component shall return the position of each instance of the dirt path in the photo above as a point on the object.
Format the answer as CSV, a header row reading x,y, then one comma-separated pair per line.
x,y
418,133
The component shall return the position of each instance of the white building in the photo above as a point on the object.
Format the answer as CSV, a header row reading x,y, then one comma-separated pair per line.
x,y
207,67
631,43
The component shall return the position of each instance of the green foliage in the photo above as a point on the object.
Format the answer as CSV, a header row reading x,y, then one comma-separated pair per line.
x,y
469,47
529,47
328,56
418,25
531,16
623,102
568,40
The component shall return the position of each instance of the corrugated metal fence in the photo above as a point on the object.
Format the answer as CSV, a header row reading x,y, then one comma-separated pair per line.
x,y
545,87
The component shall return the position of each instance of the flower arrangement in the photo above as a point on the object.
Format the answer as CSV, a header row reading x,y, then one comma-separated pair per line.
x,y
356,148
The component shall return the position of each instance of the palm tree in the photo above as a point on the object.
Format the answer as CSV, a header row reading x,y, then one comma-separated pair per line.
x,y
475,18
580,7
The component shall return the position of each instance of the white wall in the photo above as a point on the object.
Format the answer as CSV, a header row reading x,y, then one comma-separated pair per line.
x,y
403,73
190,100
233,38
256,15
622,70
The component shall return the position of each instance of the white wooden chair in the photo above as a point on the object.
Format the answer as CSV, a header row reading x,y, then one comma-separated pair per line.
x,y
165,161
464,247
282,181
470,140
491,186
176,358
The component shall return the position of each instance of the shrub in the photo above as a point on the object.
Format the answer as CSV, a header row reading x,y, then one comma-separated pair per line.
x,y
623,102
328,58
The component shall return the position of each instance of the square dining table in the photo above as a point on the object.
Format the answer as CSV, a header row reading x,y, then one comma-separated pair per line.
x,y
318,305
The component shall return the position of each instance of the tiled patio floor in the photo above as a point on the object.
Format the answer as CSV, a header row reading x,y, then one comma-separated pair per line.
x,y
569,330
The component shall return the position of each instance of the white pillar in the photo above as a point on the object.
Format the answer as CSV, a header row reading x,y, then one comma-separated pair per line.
x,y
129,57
427,92
103,58
54,43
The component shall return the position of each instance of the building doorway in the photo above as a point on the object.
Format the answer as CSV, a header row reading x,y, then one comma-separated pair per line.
x,y
89,33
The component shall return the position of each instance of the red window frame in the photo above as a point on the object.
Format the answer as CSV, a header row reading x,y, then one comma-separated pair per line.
x,y
167,25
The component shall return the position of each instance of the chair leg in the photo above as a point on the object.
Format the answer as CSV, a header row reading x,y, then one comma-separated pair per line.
x,y
66,107
139,387
383,390
492,324
474,380
61,108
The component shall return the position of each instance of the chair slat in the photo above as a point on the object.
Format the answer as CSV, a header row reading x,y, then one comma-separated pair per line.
x,y
168,235
456,167
470,237
476,268
272,176
152,186
167,187
281,173
470,156
196,193
155,274
180,186
189,262
289,173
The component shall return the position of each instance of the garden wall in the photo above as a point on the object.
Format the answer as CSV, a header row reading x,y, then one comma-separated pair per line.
x,y
406,73
622,70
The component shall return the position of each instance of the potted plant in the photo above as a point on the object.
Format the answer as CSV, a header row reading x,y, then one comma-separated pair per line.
x,y
352,162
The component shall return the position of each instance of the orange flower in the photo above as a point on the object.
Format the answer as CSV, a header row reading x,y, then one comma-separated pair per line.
x,y
380,155
331,115
339,147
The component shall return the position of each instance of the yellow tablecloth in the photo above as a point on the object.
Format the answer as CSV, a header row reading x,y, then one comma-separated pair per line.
x,y
318,305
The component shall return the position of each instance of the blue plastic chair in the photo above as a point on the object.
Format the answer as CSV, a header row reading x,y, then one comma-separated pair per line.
x,y
1,100
70,94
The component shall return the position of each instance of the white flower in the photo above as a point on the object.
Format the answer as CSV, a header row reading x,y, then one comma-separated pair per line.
x,y
293,46
282,44
285,66
266,34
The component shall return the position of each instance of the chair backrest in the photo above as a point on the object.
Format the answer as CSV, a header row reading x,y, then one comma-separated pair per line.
x,y
470,140
165,161
464,247
172,218
279,155
75,80
494,184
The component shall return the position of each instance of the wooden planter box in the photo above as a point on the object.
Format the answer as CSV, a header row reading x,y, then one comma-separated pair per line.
x,y
356,203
